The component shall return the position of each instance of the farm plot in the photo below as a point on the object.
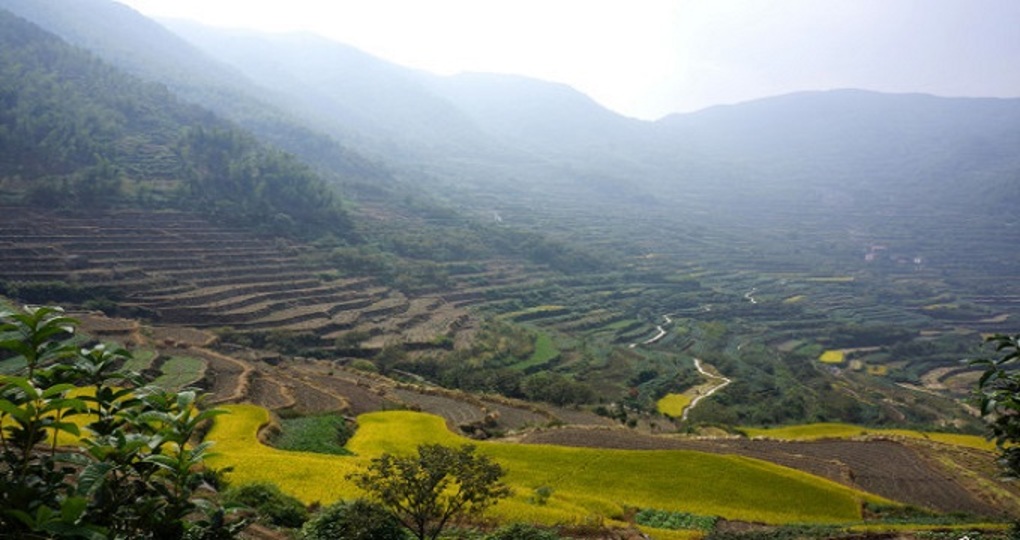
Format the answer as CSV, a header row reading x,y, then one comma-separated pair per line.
x,y
586,482
311,394
808,432
228,377
517,416
361,397
456,412
179,372
673,405
883,467
140,360
270,392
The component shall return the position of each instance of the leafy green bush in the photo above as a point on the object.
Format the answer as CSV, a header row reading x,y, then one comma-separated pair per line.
x,y
138,473
522,531
272,505
353,520
664,519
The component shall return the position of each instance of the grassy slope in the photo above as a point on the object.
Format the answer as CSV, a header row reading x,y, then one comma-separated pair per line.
x,y
586,482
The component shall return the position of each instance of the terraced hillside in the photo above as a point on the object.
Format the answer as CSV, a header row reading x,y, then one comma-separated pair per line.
x,y
604,329
184,356
179,269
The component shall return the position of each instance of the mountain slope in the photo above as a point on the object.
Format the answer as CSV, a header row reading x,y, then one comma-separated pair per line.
x,y
883,153
917,145
377,105
76,132
540,116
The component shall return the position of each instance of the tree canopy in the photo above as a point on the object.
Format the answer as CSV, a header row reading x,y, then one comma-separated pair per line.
x,y
425,492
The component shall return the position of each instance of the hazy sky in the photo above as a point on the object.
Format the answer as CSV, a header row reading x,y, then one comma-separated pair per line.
x,y
647,58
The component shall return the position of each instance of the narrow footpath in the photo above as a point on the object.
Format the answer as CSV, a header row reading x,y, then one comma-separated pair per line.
x,y
661,333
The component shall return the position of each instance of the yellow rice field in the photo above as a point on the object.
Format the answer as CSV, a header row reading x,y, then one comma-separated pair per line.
x,y
807,432
587,483
673,405
832,357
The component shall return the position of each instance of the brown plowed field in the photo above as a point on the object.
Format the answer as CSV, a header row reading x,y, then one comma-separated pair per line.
x,y
883,467
519,417
229,377
361,398
311,397
269,392
455,411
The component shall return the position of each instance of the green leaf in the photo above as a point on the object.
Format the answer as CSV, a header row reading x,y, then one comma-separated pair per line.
x,y
72,508
56,389
14,411
64,529
23,517
17,346
67,427
93,476
22,383
160,460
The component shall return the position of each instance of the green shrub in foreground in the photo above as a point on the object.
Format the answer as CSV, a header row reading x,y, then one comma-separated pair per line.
x,y
353,520
272,505
664,519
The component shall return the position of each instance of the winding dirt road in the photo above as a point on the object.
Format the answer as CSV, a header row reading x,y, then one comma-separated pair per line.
x,y
723,381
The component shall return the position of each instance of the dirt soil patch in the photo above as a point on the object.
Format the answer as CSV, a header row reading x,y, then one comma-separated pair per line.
x,y
362,398
269,392
175,336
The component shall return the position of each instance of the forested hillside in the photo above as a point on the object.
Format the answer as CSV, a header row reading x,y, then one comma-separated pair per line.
x,y
143,48
77,133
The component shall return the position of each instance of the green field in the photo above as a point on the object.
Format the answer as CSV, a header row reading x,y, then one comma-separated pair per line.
x,y
180,371
585,482
140,360
545,351
320,433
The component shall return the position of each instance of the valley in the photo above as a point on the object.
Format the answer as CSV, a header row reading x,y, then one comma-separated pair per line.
x,y
760,315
